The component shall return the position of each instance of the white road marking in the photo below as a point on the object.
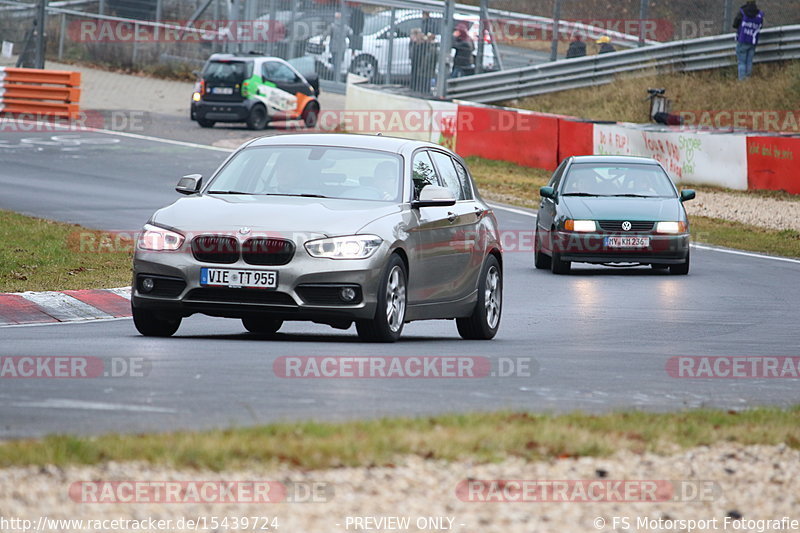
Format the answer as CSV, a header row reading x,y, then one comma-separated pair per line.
x,y
56,403
698,246
746,254
64,307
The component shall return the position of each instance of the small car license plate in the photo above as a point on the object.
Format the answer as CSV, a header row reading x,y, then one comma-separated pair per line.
x,y
222,90
229,277
627,242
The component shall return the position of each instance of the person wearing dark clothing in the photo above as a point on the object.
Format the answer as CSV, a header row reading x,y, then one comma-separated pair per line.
x,y
463,62
357,25
415,48
577,48
428,61
748,23
605,45
339,33
428,24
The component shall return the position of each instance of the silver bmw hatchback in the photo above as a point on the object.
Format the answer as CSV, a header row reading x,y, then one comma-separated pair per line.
x,y
331,228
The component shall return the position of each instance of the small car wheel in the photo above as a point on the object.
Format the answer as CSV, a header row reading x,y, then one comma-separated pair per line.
x,y
257,119
151,324
680,269
310,114
365,66
205,123
484,321
558,266
264,326
540,260
387,326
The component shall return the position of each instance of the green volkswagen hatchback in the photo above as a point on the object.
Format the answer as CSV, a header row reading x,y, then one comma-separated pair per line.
x,y
612,210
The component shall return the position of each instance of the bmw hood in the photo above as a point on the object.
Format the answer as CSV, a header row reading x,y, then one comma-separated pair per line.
x,y
271,214
615,208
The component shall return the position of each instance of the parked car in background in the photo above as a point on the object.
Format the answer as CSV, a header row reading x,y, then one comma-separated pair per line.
x,y
371,60
612,210
329,228
255,90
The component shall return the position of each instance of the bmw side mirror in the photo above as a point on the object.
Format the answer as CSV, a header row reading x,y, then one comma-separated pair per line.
x,y
189,184
687,194
434,196
547,192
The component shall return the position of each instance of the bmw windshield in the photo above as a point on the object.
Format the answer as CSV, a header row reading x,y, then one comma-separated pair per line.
x,y
325,172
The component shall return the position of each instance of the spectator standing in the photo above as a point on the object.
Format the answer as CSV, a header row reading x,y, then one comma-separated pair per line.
x,y
357,25
577,48
339,33
748,24
605,45
463,62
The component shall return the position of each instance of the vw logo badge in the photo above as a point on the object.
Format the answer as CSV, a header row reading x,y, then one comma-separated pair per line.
x,y
244,231
626,226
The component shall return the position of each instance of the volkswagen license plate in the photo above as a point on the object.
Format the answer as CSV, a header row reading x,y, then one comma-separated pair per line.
x,y
627,242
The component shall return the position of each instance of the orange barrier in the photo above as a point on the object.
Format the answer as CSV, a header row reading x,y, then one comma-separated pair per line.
x,y
773,163
40,92
574,138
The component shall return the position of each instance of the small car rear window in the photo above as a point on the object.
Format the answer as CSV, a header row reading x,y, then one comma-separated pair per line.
x,y
232,72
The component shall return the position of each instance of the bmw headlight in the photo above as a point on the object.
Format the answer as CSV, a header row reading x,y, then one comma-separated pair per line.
x,y
349,247
671,227
155,239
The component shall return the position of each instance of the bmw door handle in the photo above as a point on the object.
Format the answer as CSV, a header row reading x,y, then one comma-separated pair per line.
x,y
451,216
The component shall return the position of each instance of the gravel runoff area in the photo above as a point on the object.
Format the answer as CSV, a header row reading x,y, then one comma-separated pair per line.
x,y
735,481
768,213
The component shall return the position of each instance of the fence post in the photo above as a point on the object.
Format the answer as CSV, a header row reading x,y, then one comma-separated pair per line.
x,y
642,17
726,16
446,45
556,24
481,30
273,24
41,22
101,7
135,52
62,31
392,30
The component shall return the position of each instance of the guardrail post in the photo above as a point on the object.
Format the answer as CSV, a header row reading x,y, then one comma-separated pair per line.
x,y
556,24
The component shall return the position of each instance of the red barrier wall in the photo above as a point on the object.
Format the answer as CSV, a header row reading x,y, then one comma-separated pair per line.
x,y
773,163
574,138
528,139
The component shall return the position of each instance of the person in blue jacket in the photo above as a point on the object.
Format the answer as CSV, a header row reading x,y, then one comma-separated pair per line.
x,y
748,24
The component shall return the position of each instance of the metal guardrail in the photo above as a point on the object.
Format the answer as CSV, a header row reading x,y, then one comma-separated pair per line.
x,y
775,44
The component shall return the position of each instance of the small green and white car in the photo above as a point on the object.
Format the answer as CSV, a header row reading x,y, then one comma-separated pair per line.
x,y
255,90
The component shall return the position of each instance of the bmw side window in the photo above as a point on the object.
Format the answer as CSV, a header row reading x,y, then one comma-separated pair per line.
x,y
447,171
423,172
463,177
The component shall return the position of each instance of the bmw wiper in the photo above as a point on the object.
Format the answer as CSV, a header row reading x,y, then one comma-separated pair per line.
x,y
304,195
228,192
630,195
581,194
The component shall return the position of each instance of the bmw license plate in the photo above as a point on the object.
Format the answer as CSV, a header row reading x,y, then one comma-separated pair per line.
x,y
627,242
229,277
222,90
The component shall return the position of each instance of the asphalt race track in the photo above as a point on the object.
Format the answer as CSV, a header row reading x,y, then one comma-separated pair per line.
x,y
600,338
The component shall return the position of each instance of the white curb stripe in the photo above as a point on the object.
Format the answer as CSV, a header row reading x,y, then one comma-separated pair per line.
x,y
64,307
125,292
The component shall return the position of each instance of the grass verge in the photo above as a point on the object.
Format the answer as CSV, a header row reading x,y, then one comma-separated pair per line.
x,y
512,184
483,437
42,255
